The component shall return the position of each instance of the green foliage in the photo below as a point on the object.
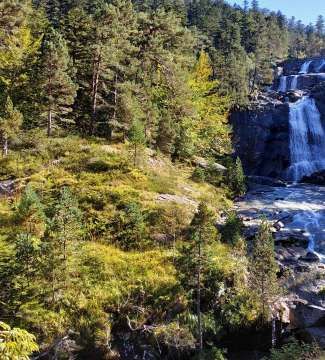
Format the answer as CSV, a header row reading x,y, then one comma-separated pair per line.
x,y
296,351
137,138
236,178
264,271
10,123
15,343
232,230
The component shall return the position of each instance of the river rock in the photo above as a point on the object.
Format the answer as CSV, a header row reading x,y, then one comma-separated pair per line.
x,y
317,178
313,334
310,257
264,180
304,315
287,237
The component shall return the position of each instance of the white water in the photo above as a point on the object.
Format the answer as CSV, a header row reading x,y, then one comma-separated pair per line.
x,y
307,139
283,84
294,82
305,67
319,68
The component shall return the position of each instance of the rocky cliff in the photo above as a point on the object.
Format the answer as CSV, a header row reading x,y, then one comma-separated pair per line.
x,y
263,132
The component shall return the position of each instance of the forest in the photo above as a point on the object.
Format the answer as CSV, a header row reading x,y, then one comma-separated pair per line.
x,y
117,159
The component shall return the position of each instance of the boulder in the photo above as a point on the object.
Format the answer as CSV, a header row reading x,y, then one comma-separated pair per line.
x,y
312,335
317,178
310,257
304,315
288,238
7,187
264,180
205,164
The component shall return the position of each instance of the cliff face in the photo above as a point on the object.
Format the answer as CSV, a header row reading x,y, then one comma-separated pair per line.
x,y
262,133
261,139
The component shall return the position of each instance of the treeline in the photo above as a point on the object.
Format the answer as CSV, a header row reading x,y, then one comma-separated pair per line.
x,y
104,67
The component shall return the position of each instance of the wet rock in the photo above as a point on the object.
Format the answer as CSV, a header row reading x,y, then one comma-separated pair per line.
x,y
261,138
304,315
310,257
264,180
317,178
288,238
278,225
313,334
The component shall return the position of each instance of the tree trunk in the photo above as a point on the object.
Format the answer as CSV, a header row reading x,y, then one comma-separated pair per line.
x,y
198,302
5,147
49,123
115,109
95,83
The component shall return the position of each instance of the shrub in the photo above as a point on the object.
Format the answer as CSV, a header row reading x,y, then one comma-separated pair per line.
x,y
296,351
232,230
236,178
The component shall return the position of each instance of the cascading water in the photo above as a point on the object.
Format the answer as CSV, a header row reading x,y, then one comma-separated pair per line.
x,y
307,139
283,84
305,67
294,82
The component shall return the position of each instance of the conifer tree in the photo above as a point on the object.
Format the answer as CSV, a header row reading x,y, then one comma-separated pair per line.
x,y
264,270
10,122
57,87
137,138
62,233
194,264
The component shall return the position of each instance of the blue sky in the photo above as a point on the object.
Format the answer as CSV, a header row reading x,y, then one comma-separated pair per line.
x,y
307,11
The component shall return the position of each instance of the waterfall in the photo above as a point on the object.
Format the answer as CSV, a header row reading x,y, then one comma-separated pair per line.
x,y
307,139
294,82
283,84
305,67
319,68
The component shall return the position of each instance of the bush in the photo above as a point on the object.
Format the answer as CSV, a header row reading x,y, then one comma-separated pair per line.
x,y
296,351
236,178
232,230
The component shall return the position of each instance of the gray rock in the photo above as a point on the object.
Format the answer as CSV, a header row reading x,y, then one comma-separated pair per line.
x,y
264,180
317,178
7,187
261,138
310,257
205,164
305,315
314,334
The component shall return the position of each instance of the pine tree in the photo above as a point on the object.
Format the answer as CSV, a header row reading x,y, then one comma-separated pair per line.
x,y
137,138
264,270
30,213
255,5
194,263
62,233
57,87
10,123
320,25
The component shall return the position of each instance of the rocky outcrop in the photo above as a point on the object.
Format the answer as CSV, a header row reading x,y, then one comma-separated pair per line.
x,y
317,178
292,67
261,138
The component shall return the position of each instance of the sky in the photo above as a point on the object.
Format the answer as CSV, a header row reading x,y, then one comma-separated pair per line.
x,y
307,11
